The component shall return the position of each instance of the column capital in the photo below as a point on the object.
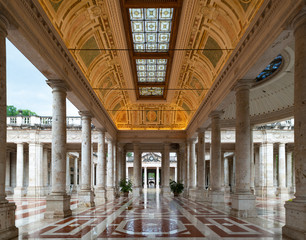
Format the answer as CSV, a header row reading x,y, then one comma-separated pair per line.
x,y
192,140
243,84
58,85
201,130
4,24
101,130
85,114
216,114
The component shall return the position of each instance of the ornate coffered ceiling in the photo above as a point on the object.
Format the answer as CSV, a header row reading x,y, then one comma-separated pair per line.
x,y
93,31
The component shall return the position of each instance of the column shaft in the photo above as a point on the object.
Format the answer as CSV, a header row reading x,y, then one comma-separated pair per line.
x,y
289,170
166,169
243,201
58,202
110,191
282,169
157,177
296,210
192,165
137,170
19,189
7,226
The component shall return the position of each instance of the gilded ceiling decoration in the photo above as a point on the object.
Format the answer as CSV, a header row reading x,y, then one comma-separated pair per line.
x,y
216,27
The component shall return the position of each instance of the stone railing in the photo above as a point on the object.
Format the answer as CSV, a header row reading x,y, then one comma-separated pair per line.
x,y
284,125
38,121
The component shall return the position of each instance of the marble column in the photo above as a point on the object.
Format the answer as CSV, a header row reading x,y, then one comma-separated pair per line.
x,y
257,169
123,166
166,169
75,174
289,172
186,171
8,189
243,201
282,189
295,227
157,177
45,170
226,176
137,185
269,171
7,218
175,174
145,180
216,195
58,202
35,187
252,165
201,166
101,169
110,191
222,171
192,169
68,180
86,195
19,190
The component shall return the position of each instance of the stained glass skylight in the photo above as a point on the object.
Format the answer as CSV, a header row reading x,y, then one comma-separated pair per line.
x,y
151,91
151,28
270,69
151,70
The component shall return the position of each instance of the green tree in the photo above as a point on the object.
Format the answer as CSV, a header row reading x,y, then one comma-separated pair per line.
x,y
26,112
11,110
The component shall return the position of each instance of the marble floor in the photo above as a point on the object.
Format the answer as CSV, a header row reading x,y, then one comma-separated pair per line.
x,y
151,216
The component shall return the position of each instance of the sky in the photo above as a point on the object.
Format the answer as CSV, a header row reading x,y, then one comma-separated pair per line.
x,y
27,87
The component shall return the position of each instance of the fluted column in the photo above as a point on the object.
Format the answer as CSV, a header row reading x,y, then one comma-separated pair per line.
x,y
7,230
137,170
243,201
101,169
282,189
166,169
123,165
216,195
19,190
86,196
110,191
201,166
226,175
58,202
296,210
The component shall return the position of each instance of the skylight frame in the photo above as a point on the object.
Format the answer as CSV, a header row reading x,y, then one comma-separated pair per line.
x,y
176,5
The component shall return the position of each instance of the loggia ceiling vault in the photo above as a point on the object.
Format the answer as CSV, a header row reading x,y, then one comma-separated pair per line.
x,y
153,69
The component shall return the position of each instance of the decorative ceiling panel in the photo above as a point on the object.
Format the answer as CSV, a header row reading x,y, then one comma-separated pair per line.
x,y
213,28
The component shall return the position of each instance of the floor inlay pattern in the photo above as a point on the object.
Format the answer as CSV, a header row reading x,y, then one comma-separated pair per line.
x,y
151,216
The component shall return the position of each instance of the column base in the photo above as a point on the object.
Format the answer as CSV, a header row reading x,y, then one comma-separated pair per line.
x,y
165,191
9,190
265,191
8,229
100,197
36,192
192,192
295,220
216,198
86,198
19,192
74,189
110,194
243,205
136,191
282,191
198,195
186,193
58,206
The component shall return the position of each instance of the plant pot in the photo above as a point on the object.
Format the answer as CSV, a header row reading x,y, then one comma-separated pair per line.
x,y
176,194
125,194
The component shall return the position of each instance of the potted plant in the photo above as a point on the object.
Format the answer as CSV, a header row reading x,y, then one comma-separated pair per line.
x,y
125,187
176,187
